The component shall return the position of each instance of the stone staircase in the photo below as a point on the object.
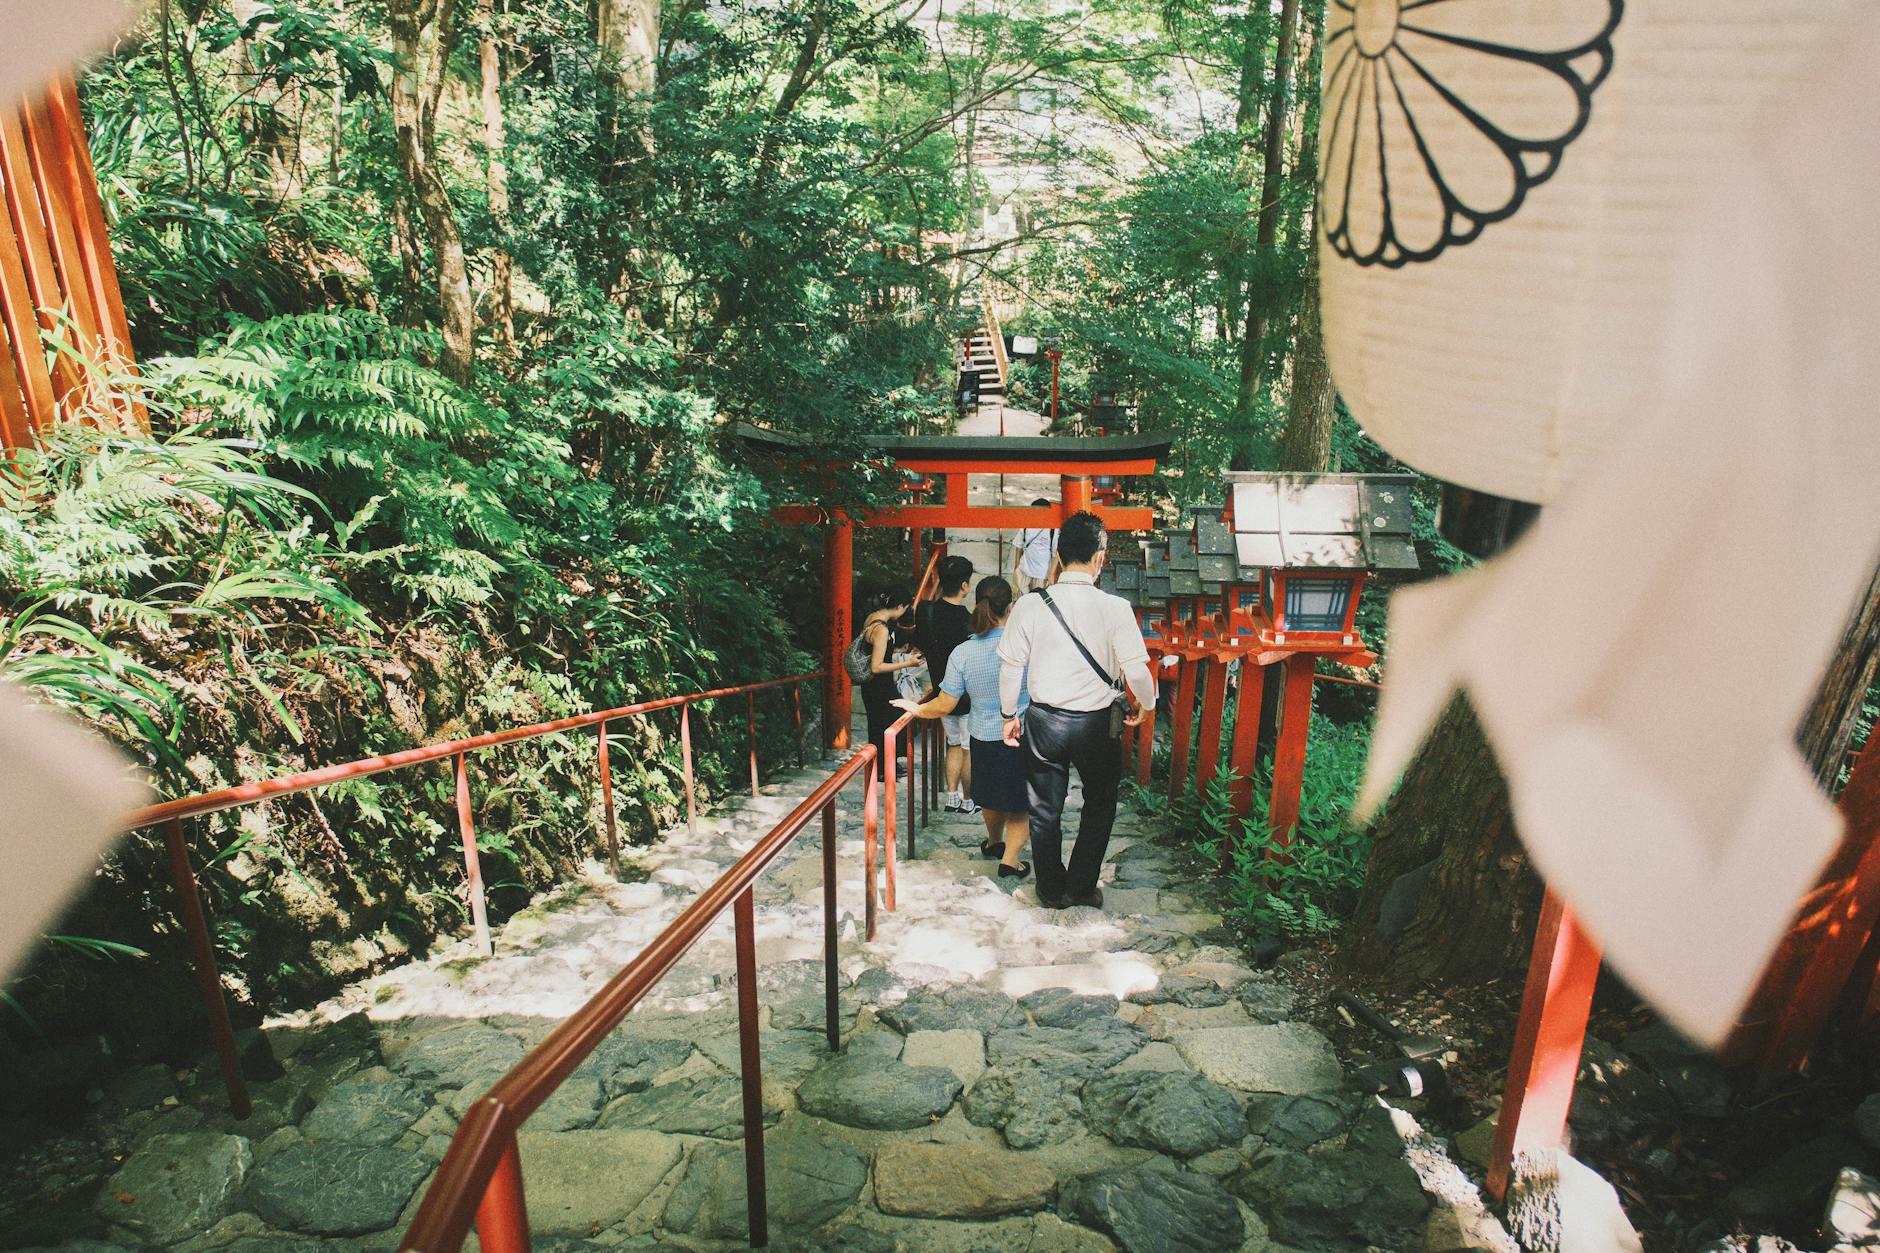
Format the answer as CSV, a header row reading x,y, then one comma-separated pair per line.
x,y
1011,1078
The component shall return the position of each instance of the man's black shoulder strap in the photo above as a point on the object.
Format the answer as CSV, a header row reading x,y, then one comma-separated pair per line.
x,y
1059,615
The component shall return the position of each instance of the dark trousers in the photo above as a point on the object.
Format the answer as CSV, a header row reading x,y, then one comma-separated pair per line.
x,y
1055,741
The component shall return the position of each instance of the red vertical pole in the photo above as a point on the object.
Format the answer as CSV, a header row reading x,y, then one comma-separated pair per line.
x,y
751,1071
685,760
1073,493
870,832
838,582
890,760
1289,758
832,1016
1242,754
208,978
503,1215
750,724
1182,727
607,800
472,867
1213,715
1555,1004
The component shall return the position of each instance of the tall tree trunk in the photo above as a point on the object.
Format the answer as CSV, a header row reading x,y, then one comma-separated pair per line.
x,y
628,34
1448,893
1247,113
502,298
1827,730
417,85
1306,443
1272,171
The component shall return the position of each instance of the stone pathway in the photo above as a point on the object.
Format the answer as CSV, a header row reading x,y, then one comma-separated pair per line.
x,y
1011,1078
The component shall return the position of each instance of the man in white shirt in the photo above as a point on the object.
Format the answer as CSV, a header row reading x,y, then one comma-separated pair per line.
x,y
1068,723
1033,551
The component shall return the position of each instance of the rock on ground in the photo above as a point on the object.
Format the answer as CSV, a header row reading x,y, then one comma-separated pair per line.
x,y
176,1184
1031,1107
959,1181
334,1189
808,1178
1557,1202
1097,1044
712,1105
1156,1208
1336,1200
373,1108
1289,1058
1178,1113
579,1181
877,1094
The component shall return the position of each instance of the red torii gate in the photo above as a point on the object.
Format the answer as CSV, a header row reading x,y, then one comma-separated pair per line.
x,y
950,460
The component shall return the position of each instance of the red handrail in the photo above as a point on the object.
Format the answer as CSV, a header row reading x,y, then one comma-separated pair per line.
x,y
480,1177
170,814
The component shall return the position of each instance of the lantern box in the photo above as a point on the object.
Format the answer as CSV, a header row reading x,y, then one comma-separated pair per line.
x,y
1306,543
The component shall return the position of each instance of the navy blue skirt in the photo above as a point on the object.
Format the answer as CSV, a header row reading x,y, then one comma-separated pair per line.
x,y
999,776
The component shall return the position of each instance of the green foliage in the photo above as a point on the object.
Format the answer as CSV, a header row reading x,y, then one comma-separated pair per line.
x,y
1307,887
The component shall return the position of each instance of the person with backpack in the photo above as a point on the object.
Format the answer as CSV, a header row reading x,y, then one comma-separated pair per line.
x,y
1079,654
1034,552
870,664
940,626
971,683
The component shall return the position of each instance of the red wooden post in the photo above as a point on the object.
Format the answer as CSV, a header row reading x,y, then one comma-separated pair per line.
x,y
1073,493
1243,754
1213,716
685,760
1289,759
607,800
838,583
1182,728
208,978
832,1017
503,1214
1555,1004
750,723
751,1071
472,867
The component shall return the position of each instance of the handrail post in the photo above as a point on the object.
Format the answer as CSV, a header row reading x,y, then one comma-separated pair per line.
x,y
208,978
607,800
796,706
870,832
750,722
913,737
831,1009
502,1216
751,1069
472,867
889,763
685,757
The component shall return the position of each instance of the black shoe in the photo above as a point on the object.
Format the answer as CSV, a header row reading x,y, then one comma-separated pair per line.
x,y
1019,871
1094,900
994,851
1049,902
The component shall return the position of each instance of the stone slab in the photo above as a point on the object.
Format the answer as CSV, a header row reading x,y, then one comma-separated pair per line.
x,y
959,1181
1290,1058
581,1180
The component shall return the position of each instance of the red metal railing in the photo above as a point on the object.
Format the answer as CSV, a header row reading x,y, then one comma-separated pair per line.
x,y
170,815
480,1179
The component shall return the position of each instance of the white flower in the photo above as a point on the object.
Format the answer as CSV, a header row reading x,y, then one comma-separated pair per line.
x,y
1439,115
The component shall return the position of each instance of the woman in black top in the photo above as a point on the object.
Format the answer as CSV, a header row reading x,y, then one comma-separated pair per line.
x,y
943,625
878,691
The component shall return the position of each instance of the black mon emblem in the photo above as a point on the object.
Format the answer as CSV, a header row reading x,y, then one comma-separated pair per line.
x,y
1440,115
